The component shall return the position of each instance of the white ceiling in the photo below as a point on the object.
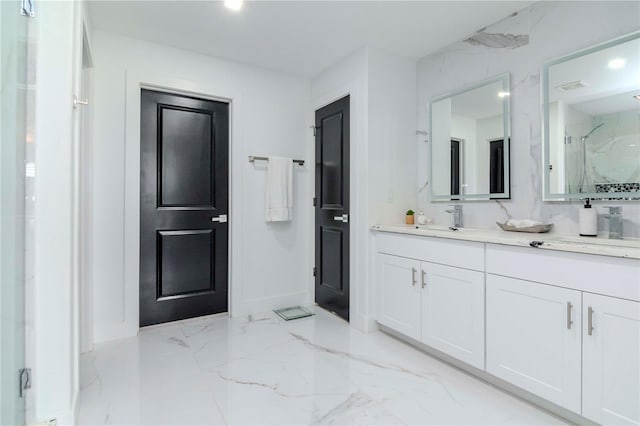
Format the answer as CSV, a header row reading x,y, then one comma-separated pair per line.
x,y
302,37
605,91
478,103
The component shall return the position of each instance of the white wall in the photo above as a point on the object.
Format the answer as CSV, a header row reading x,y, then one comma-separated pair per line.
x,y
349,77
440,141
488,129
557,147
270,267
392,136
554,29
576,124
465,128
54,302
383,139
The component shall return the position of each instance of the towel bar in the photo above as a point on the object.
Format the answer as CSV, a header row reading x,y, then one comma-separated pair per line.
x,y
253,158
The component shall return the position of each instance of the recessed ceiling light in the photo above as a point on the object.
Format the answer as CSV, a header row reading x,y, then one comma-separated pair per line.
x,y
616,64
503,94
233,4
637,97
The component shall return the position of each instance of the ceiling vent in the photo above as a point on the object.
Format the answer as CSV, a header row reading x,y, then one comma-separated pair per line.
x,y
572,86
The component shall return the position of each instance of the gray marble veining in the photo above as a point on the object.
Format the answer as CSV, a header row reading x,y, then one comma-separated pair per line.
x,y
554,29
315,370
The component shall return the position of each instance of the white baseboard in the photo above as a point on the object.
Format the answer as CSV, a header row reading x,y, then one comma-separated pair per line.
x,y
492,380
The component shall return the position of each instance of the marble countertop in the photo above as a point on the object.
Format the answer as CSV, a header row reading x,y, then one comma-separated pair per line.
x,y
602,246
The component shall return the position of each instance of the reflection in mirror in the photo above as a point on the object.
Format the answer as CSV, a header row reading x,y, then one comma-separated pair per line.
x,y
592,122
470,143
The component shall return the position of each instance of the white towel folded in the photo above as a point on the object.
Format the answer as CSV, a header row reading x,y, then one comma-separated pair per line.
x,y
522,223
279,194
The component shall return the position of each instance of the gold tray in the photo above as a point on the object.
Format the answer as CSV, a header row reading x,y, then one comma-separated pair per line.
x,y
538,229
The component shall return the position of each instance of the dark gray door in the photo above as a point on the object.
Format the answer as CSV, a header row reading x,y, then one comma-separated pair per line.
x,y
455,168
496,166
332,207
184,167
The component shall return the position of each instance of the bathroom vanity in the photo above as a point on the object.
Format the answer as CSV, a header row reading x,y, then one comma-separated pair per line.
x,y
558,319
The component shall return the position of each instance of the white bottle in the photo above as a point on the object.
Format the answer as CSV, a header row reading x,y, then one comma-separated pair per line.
x,y
588,221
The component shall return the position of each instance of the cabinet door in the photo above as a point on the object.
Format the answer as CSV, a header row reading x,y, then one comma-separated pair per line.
x,y
398,304
453,312
611,354
534,338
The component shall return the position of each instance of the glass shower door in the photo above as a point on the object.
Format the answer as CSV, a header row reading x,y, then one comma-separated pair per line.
x,y
13,101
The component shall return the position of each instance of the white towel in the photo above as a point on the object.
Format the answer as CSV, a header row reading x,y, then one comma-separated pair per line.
x,y
279,196
522,223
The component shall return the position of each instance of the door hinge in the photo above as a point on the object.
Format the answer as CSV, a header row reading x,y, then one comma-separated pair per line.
x,y
315,129
315,271
315,202
28,8
25,381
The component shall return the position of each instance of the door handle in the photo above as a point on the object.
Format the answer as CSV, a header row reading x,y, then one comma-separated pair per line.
x,y
569,321
344,218
413,276
220,219
590,321
424,279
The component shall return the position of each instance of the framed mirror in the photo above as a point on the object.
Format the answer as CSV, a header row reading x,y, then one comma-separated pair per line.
x,y
591,123
470,139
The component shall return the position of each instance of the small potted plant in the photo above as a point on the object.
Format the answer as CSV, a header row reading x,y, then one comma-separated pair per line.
x,y
410,217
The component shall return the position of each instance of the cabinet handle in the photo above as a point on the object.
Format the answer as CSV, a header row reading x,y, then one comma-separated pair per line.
x,y
569,322
413,276
424,279
590,321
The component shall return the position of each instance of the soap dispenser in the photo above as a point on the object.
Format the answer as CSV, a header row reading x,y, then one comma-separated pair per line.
x,y
588,221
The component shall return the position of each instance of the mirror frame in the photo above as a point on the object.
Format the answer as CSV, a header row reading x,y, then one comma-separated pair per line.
x,y
544,87
504,78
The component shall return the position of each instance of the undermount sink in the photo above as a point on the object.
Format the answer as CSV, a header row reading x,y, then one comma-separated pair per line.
x,y
438,228
427,228
603,241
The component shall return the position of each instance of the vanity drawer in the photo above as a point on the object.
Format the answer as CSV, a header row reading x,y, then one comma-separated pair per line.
x,y
606,275
463,254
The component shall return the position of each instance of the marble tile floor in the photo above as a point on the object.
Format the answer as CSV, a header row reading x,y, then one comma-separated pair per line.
x,y
316,370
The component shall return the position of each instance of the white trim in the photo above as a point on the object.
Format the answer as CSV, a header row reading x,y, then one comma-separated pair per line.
x,y
85,198
135,81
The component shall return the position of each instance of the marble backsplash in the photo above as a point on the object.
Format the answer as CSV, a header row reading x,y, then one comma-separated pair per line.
x,y
519,45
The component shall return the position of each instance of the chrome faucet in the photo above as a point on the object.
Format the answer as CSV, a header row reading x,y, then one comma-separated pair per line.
x,y
457,215
615,221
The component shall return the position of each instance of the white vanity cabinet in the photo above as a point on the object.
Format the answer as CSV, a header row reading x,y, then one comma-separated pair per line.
x,y
587,362
534,338
610,360
453,312
437,304
563,326
398,294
